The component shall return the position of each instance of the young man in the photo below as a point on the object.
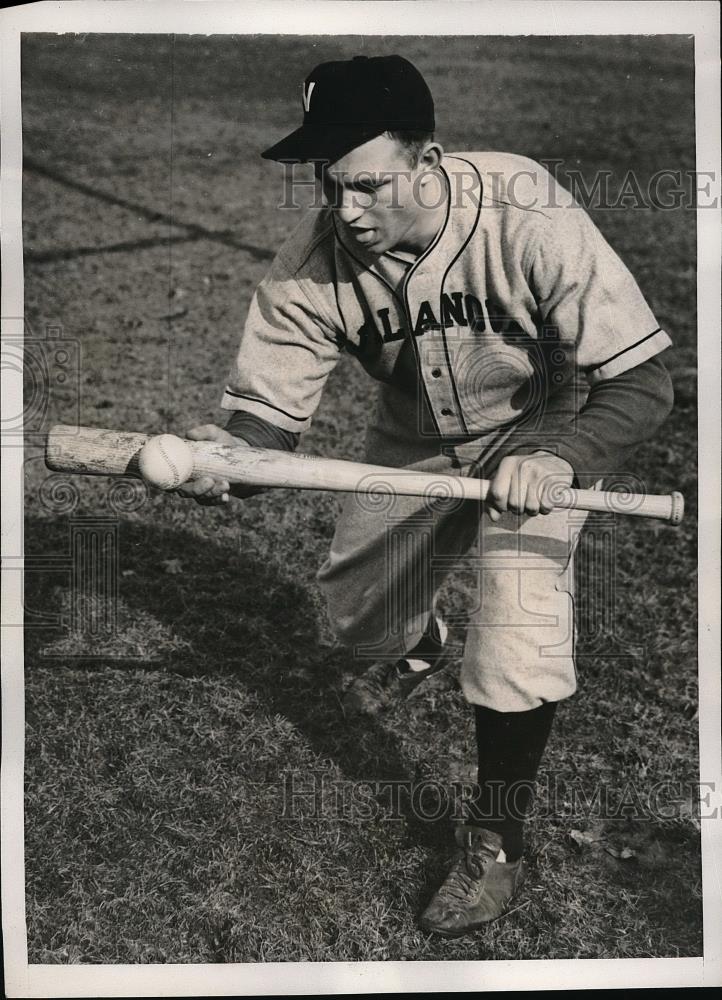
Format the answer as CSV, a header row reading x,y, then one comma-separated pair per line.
x,y
509,342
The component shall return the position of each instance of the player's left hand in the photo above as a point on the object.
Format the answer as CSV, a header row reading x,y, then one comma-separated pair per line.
x,y
522,484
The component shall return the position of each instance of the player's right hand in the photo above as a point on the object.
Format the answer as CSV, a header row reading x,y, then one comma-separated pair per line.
x,y
207,490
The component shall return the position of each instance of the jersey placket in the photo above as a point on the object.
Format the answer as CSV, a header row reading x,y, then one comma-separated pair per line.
x,y
421,298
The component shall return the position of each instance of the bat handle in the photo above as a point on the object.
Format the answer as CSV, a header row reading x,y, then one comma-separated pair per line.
x,y
668,507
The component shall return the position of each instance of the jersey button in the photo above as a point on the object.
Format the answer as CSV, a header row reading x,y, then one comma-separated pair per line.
x,y
446,412
436,372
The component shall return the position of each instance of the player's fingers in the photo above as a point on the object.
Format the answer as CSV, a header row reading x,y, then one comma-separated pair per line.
x,y
532,501
494,514
196,488
204,486
219,487
204,432
517,490
498,495
546,505
217,493
213,500
187,490
212,432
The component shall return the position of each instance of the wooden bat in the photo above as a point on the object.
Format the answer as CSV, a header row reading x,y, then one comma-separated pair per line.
x,y
98,452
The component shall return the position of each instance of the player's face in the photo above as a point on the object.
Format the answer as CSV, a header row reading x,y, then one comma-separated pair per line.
x,y
381,201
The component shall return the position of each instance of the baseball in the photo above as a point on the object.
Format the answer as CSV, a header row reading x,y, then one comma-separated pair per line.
x,y
165,461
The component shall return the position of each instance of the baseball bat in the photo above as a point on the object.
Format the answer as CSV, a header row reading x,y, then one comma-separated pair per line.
x,y
100,452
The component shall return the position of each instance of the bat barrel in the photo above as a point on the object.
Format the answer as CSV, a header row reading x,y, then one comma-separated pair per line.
x,y
93,451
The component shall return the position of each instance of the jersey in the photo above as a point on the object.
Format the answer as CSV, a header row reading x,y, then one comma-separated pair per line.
x,y
517,305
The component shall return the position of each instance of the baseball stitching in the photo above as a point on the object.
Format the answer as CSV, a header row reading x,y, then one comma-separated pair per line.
x,y
169,460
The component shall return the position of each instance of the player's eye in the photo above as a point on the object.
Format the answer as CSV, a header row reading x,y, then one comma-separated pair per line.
x,y
371,183
367,187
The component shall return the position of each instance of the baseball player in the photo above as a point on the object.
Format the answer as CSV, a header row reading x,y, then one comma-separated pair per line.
x,y
508,341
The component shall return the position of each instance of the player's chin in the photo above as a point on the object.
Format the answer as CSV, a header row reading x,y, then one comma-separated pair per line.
x,y
377,247
378,244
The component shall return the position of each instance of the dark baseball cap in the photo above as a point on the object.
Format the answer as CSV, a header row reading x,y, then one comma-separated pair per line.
x,y
349,102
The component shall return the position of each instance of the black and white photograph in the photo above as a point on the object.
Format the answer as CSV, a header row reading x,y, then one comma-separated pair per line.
x,y
360,488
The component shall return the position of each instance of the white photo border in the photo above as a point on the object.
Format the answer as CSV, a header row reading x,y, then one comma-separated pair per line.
x,y
348,17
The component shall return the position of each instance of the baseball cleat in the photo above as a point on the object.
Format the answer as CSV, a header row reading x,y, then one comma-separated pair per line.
x,y
478,888
386,683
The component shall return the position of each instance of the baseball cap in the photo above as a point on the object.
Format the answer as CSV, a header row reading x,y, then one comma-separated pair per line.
x,y
349,102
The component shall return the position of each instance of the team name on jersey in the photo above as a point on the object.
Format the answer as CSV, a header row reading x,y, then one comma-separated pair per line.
x,y
456,309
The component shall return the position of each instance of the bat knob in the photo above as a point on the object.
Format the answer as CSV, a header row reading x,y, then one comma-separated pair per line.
x,y
677,511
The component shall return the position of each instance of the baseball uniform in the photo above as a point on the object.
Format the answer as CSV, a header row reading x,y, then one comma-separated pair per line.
x,y
486,344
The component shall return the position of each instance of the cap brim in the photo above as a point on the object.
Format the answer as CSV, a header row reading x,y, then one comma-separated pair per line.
x,y
322,143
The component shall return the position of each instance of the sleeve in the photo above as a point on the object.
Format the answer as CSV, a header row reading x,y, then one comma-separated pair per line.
x,y
619,414
583,290
288,347
259,433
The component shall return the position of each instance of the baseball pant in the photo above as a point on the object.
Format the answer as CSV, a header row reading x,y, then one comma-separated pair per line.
x,y
390,556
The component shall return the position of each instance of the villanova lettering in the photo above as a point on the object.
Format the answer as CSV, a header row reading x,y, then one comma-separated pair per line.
x,y
456,309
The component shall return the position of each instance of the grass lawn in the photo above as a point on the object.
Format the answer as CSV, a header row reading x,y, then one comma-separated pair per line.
x,y
162,758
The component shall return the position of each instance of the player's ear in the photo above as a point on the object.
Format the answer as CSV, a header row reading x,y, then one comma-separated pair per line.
x,y
431,155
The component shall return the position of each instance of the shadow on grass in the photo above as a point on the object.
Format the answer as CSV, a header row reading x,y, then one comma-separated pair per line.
x,y
188,605
194,231
196,606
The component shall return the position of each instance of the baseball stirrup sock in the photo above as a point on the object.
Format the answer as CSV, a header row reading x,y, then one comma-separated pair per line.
x,y
510,747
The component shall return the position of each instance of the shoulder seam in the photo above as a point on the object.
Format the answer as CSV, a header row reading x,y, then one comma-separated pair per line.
x,y
296,266
488,189
317,307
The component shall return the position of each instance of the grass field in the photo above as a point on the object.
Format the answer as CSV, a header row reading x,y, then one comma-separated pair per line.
x,y
159,757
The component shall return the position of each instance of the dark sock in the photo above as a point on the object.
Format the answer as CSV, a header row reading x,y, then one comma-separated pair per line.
x,y
429,646
510,747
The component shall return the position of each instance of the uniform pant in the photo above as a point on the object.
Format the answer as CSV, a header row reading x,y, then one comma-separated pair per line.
x,y
390,556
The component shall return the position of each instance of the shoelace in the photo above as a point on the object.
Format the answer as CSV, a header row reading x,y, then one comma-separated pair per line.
x,y
460,882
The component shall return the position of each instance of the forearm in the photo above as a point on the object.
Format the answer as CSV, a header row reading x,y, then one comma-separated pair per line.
x,y
620,413
258,433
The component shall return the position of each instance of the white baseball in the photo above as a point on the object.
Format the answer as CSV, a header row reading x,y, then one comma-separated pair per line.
x,y
165,461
